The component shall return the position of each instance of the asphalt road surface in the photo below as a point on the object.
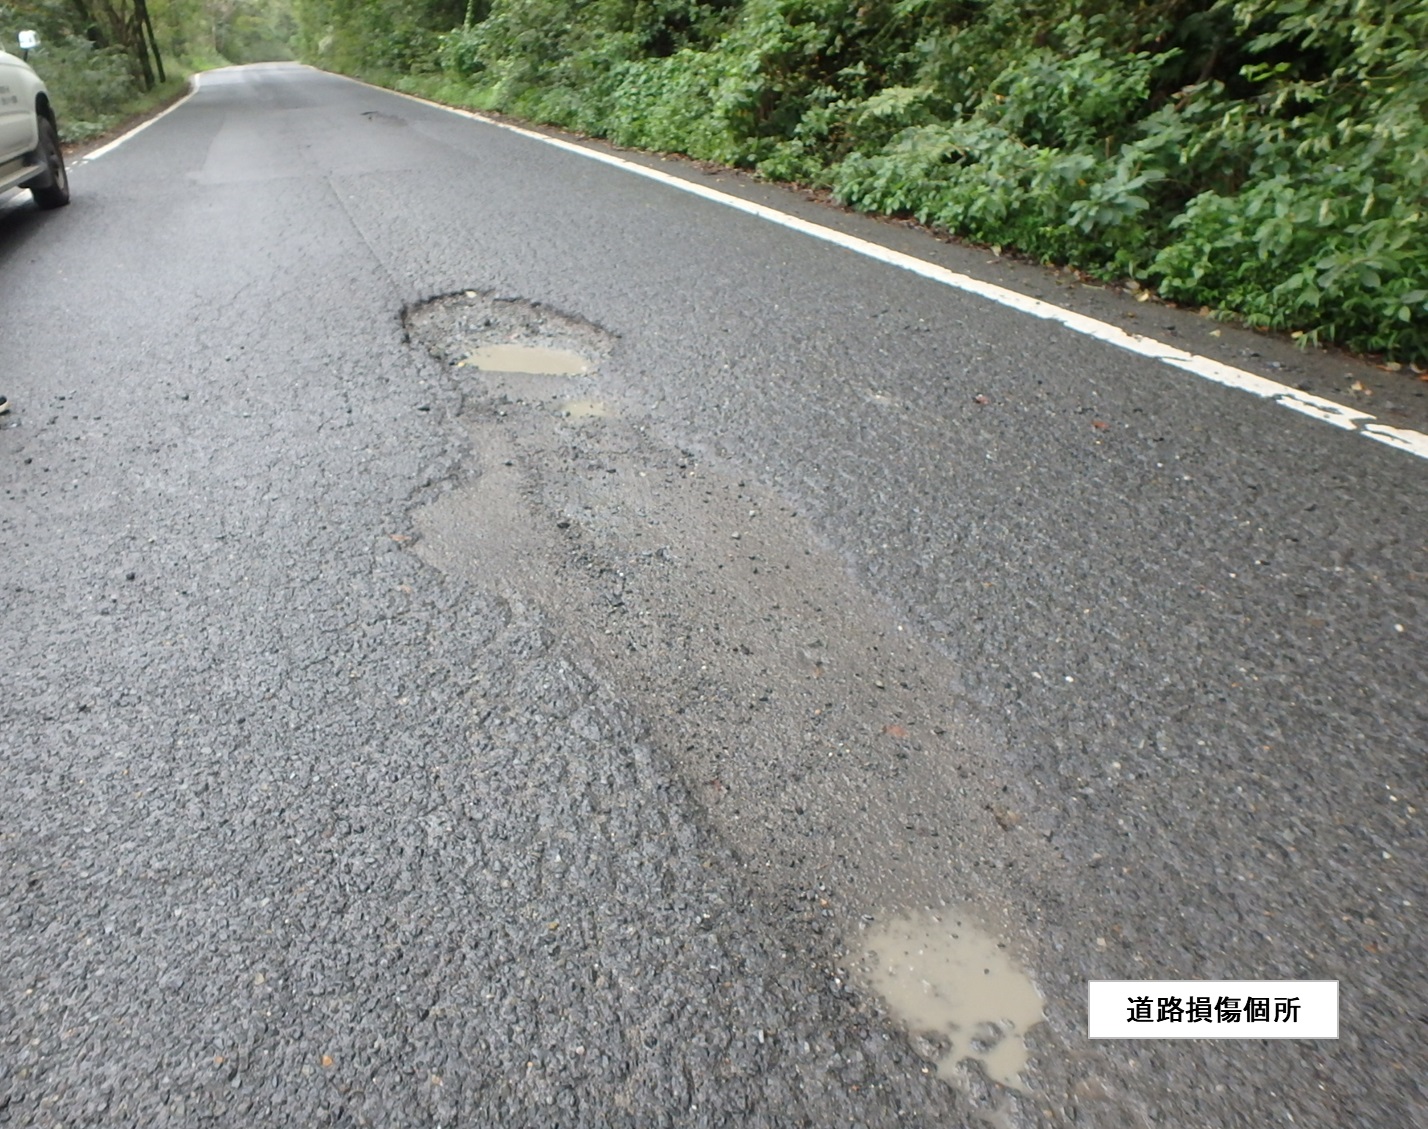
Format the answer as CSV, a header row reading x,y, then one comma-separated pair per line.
x,y
396,738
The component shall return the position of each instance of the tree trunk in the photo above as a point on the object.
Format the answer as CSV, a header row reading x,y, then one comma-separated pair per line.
x,y
139,48
141,7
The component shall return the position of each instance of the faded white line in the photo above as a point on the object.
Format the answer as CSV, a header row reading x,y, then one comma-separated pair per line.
x,y
1414,442
108,146
1316,407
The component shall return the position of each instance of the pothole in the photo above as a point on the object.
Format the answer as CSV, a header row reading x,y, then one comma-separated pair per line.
x,y
492,334
945,978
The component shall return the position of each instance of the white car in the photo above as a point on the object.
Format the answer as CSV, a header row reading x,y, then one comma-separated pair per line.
x,y
30,155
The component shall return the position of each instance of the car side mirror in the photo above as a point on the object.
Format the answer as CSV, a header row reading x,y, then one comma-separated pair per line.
x,y
28,41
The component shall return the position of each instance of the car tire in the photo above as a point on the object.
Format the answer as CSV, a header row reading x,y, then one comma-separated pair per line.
x,y
51,189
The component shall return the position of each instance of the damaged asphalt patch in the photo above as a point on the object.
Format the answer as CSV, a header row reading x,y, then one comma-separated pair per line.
x,y
815,733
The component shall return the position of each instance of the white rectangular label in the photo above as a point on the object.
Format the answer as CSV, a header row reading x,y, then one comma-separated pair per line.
x,y
1213,1009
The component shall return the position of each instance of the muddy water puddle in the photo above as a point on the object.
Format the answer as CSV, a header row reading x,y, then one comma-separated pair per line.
x,y
945,978
536,360
586,409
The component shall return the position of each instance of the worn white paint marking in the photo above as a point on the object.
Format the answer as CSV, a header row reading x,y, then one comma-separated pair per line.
x,y
95,154
1414,442
1316,407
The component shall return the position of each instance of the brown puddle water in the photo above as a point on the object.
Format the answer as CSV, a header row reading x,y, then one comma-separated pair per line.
x,y
536,359
586,409
943,977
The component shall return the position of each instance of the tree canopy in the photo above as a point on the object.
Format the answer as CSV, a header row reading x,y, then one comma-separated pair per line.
x,y
100,56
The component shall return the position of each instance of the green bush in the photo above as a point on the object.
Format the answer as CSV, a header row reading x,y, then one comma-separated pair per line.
x,y
671,104
90,86
1327,234
1037,164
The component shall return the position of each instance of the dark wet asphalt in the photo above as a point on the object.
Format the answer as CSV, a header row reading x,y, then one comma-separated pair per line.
x,y
297,828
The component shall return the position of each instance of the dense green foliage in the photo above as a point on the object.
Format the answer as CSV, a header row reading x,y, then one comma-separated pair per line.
x,y
1263,157
90,62
377,38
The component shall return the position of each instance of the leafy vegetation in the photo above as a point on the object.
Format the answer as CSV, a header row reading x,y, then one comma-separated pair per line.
x,y
106,60
1267,158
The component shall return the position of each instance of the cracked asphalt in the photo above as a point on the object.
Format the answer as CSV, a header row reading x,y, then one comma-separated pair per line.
x,y
391,743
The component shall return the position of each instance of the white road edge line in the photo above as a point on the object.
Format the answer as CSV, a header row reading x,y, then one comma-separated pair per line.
x,y
108,146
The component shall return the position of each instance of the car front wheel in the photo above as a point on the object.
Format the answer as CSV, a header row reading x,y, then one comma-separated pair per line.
x,y
51,189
